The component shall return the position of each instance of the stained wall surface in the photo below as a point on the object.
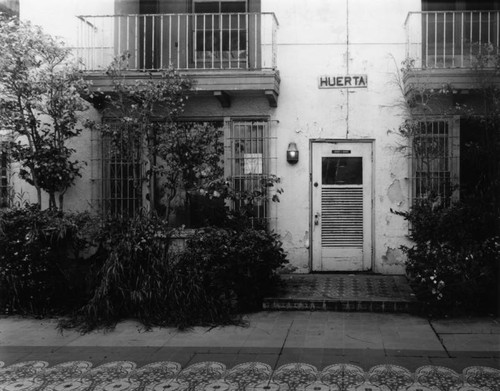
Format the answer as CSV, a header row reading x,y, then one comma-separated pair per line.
x,y
315,38
342,38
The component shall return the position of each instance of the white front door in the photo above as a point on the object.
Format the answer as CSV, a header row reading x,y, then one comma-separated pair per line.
x,y
341,205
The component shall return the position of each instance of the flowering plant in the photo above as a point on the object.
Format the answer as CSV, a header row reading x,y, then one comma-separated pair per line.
x,y
454,263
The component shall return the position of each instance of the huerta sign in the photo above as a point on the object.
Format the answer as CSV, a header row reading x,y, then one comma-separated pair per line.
x,y
351,81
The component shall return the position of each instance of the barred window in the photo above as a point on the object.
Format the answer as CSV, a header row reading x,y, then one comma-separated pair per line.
x,y
250,160
194,205
4,175
435,149
117,171
118,174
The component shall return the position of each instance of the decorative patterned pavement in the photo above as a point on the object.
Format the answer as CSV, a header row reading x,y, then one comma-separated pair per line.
x,y
251,376
344,292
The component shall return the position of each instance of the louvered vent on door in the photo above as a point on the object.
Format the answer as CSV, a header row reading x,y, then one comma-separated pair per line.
x,y
342,216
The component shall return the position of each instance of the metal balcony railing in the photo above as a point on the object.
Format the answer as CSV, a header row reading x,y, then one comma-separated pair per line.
x,y
183,41
452,39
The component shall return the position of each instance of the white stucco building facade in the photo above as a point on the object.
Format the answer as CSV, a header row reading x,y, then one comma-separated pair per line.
x,y
320,75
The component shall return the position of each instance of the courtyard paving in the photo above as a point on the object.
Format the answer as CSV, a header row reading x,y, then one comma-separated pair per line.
x,y
344,292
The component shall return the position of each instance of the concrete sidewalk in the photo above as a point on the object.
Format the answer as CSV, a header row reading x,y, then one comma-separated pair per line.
x,y
274,338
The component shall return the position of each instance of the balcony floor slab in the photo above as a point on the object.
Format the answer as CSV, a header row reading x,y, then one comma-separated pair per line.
x,y
216,83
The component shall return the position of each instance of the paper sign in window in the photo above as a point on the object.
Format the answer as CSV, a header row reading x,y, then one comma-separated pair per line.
x,y
253,163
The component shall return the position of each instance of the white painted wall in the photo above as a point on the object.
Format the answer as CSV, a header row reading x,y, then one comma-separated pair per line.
x,y
315,37
338,38
59,17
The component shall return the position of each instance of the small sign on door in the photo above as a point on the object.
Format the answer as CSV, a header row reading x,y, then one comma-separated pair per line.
x,y
344,151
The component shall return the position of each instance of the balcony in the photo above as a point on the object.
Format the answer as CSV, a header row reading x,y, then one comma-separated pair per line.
x,y
450,47
225,54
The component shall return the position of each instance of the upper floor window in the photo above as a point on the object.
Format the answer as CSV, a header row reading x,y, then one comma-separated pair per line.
x,y
220,33
460,5
216,7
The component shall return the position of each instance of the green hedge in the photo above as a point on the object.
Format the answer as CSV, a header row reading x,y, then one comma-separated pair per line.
x,y
131,270
454,262
40,269
237,266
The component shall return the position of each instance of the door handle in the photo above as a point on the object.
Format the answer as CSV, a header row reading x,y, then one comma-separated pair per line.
x,y
316,218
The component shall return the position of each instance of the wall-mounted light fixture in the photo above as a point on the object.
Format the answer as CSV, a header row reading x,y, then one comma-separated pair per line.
x,y
292,153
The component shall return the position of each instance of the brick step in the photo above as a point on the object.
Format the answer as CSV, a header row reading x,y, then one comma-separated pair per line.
x,y
343,292
347,305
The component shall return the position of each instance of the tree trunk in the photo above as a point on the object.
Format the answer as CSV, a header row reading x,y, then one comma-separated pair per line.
x,y
39,197
52,201
61,201
38,188
153,207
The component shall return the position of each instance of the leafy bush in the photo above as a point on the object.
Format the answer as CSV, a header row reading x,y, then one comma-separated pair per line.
x,y
454,262
133,270
131,274
39,269
218,274
458,225
236,266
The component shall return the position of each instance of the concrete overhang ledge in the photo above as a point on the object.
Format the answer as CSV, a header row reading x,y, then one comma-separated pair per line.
x,y
456,79
219,83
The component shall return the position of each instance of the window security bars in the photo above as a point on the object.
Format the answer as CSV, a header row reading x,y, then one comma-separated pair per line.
x,y
452,39
435,147
117,172
250,162
239,40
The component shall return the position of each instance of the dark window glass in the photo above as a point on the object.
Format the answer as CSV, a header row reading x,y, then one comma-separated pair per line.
x,y
458,5
148,6
214,7
233,6
194,210
211,7
342,170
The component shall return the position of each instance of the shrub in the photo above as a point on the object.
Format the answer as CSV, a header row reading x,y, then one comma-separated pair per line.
x,y
133,271
236,266
131,274
40,260
454,262
460,224
220,273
